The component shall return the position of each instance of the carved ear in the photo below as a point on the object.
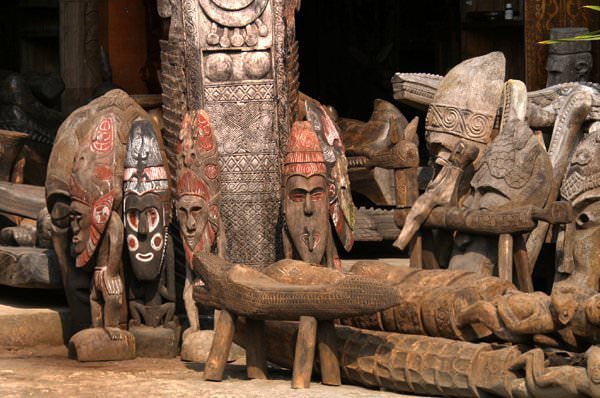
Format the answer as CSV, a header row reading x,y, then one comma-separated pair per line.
x,y
582,67
410,131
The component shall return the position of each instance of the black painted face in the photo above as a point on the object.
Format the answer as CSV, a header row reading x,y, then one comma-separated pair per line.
x,y
145,234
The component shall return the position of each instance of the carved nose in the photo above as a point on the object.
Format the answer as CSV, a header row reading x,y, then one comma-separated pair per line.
x,y
190,223
308,206
143,227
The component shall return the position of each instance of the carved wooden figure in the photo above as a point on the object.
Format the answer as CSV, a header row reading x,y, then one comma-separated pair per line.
x,y
151,273
104,123
287,290
97,240
231,59
568,61
197,205
307,234
440,367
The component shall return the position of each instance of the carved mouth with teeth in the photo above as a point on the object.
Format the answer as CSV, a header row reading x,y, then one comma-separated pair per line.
x,y
144,257
311,239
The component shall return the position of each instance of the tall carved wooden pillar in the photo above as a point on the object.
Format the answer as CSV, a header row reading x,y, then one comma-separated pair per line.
x,y
235,69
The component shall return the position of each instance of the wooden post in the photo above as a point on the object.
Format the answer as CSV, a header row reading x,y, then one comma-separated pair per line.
x,y
522,265
219,351
305,352
505,257
407,192
256,356
328,357
415,250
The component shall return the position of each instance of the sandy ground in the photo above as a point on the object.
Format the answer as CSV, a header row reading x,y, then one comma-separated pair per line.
x,y
48,372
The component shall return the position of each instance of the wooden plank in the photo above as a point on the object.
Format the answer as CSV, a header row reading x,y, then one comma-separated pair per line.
x,y
305,352
256,355
22,200
328,354
219,351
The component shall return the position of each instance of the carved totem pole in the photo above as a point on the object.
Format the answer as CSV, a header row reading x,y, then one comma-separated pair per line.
x,y
233,61
147,214
197,205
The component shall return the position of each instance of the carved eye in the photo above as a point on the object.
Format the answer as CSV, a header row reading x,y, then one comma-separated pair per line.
x,y
317,194
153,219
132,242
157,241
297,197
133,220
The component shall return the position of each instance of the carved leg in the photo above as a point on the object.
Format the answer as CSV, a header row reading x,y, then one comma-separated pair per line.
x,y
522,265
256,355
415,250
505,256
96,309
219,351
305,352
191,308
135,310
328,356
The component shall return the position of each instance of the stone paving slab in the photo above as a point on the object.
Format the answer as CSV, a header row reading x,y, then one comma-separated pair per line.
x,y
47,372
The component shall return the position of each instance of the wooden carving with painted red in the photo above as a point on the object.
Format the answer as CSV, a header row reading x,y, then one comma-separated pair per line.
x,y
197,196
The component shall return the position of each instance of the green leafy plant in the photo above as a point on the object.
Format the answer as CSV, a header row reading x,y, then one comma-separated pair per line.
x,y
595,35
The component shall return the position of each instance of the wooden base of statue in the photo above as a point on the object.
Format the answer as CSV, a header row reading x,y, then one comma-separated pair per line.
x,y
156,342
102,344
196,347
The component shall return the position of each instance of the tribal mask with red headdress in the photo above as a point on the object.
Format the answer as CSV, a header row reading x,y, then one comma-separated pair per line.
x,y
93,189
306,196
198,186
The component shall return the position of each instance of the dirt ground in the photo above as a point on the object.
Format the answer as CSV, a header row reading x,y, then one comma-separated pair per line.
x,y
48,372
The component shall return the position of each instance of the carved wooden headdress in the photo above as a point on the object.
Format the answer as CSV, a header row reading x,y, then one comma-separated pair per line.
x,y
93,180
467,100
304,156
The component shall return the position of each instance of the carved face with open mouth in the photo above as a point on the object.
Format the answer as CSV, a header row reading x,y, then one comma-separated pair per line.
x,y
307,216
81,220
145,234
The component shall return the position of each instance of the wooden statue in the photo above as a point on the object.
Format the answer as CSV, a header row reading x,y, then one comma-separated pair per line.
x,y
464,106
287,290
234,59
197,205
103,124
151,272
568,61
97,241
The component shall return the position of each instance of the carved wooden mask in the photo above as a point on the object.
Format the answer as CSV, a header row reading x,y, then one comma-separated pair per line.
x,y
306,194
146,205
197,190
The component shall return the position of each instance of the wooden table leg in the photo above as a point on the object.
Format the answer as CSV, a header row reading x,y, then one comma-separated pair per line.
x,y
415,250
256,356
219,351
305,352
505,257
328,355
